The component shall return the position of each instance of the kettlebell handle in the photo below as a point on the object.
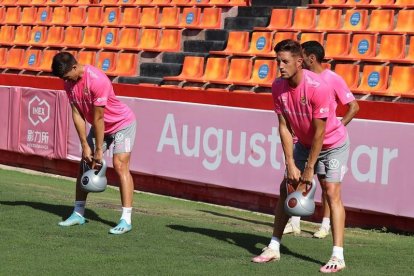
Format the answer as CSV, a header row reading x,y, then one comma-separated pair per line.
x,y
308,187
102,170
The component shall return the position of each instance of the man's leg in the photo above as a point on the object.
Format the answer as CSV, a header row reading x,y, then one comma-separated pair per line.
x,y
326,221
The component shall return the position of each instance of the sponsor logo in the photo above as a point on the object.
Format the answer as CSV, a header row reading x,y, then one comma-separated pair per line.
x,y
334,164
39,111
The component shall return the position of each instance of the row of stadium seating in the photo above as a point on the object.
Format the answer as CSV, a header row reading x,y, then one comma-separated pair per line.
x,y
168,17
361,20
363,4
114,3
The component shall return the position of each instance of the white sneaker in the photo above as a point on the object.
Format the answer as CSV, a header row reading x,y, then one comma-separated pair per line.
x,y
290,228
321,233
268,255
334,265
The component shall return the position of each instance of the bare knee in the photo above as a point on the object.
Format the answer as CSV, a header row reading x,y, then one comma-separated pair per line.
x,y
333,192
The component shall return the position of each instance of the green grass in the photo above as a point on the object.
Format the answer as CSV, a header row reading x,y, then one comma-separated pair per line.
x,y
170,237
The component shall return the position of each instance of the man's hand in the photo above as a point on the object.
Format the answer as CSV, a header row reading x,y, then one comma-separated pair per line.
x,y
87,153
97,158
307,175
293,174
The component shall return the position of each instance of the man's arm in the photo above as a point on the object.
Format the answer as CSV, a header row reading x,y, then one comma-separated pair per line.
x,y
80,126
353,108
319,125
293,173
99,128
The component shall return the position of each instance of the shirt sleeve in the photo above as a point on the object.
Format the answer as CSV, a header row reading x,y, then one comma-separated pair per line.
x,y
342,91
321,101
100,89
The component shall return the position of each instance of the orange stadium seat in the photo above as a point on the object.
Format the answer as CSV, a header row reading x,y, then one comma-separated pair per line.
x,y
264,73
131,17
94,16
390,47
381,21
199,2
405,22
160,2
8,2
363,46
22,35
14,58
240,70
400,82
60,16
127,3
86,57
38,35
210,18
303,19
193,67
377,4
38,2
329,19
238,42
337,45
409,58
401,4
43,16
2,13
91,37
149,17
53,2
21,2
355,20
128,66
7,35
218,2
109,3
111,17
170,40
260,45
190,17
109,38
279,36
328,3
73,37
312,36
46,60
3,54
128,40
12,16
55,36
169,17
142,2
149,39
216,69
31,59
350,74
107,61
374,78
279,19
77,16
27,16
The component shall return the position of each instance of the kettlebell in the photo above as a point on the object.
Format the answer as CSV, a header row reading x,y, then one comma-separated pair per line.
x,y
93,180
300,203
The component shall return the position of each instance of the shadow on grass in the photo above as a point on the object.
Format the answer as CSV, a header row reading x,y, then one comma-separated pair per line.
x,y
60,210
243,240
238,218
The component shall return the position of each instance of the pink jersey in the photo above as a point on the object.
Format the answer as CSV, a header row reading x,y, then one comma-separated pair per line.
x,y
312,98
342,92
95,89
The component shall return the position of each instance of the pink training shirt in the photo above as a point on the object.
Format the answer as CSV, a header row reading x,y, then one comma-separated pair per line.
x,y
95,89
342,92
312,98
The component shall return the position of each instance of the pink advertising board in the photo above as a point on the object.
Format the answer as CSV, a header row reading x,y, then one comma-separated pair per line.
x,y
240,148
4,119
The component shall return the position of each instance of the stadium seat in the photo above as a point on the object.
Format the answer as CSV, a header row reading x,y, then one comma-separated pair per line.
x,y
77,16
238,42
46,60
149,39
381,21
337,44
128,40
210,19
109,38
14,59
390,47
260,45
111,16
20,2
169,40
329,19
178,3
86,57
190,17
60,16
53,3
54,37
374,78
22,35
128,66
160,2
131,17
27,16
240,70
12,16
279,36
374,4
91,37
94,16
409,58
39,2
38,35
193,67
149,17
8,2
31,59
7,35
279,19
3,55
109,3
405,21
127,3
340,3
43,16
401,83
107,61
264,73
350,74
355,20
140,3
199,3
363,46
169,17
2,13
216,69
73,37
304,19
401,4
312,36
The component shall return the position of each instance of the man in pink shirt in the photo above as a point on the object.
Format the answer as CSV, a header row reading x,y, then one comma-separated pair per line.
x,y
313,55
305,107
93,100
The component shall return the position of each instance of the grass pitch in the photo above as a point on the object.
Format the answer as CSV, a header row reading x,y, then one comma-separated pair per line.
x,y
169,237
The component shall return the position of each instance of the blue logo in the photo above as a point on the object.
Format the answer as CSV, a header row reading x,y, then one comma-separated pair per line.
x,y
111,16
263,71
373,79
363,46
125,1
32,59
355,18
43,16
105,64
190,18
37,36
261,42
109,38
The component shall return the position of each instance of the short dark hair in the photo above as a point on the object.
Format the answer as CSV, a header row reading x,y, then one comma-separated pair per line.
x,y
62,63
315,48
289,45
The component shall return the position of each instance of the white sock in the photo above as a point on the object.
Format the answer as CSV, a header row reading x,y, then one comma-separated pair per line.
x,y
274,243
338,252
326,223
80,207
126,214
295,221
